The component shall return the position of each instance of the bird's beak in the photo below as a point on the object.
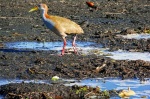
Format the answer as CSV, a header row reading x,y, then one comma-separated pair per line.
x,y
34,9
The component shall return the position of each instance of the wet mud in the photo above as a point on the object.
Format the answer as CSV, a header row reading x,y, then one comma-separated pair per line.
x,y
102,26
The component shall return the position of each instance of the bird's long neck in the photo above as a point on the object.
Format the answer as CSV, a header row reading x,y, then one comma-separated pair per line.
x,y
44,13
47,19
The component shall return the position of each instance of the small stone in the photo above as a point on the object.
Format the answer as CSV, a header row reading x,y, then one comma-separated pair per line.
x,y
128,31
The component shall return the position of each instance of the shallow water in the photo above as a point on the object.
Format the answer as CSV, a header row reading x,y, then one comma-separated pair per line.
x,y
140,88
47,45
136,36
1,97
85,48
126,55
6,81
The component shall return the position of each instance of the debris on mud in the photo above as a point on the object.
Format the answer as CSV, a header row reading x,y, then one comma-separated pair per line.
x,y
112,18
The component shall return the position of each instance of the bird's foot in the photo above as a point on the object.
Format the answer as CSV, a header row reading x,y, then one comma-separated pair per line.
x,y
60,55
76,52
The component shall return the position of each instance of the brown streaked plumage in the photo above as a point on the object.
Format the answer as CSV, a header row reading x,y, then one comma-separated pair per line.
x,y
59,25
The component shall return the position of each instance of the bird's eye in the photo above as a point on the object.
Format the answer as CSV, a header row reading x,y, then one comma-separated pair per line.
x,y
39,5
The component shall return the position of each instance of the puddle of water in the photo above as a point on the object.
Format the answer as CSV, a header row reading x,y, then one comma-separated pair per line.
x,y
85,48
1,97
5,81
120,54
141,89
126,55
136,36
47,45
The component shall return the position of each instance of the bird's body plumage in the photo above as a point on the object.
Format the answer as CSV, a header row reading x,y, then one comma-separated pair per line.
x,y
59,25
62,26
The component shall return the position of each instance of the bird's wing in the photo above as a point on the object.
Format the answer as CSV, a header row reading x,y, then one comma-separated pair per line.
x,y
67,25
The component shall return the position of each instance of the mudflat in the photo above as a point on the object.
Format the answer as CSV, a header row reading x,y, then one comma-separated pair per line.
x,y
112,17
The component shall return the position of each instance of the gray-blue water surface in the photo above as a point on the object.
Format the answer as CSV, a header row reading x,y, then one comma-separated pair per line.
x,y
46,45
140,88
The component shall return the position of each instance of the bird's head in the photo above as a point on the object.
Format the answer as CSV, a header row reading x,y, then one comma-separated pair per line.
x,y
42,7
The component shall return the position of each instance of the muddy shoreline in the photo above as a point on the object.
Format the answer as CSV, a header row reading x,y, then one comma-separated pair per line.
x,y
102,26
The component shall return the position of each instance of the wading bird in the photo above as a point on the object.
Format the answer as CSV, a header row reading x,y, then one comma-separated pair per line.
x,y
59,25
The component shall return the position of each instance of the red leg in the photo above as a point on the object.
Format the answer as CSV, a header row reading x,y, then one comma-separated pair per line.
x,y
74,45
64,46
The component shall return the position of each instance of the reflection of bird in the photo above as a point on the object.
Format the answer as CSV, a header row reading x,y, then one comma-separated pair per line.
x,y
59,25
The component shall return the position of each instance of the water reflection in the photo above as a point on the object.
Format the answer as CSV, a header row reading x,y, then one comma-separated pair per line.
x,y
1,97
126,55
85,48
6,81
141,89
136,36
47,45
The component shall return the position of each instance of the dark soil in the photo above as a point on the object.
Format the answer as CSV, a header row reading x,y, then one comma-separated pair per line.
x,y
112,17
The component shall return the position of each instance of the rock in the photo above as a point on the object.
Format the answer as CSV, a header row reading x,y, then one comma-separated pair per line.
x,y
128,31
